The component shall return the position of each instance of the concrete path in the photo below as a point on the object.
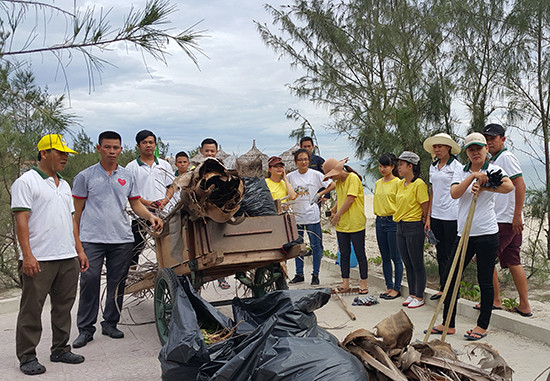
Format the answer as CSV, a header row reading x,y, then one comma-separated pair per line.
x,y
135,356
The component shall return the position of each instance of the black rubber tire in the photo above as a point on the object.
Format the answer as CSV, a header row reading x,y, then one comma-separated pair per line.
x,y
166,286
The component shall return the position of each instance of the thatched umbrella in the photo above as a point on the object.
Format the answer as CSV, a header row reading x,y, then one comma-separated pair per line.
x,y
288,158
253,163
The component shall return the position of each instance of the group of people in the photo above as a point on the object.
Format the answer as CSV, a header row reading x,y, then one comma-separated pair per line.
x,y
306,189
63,232
408,210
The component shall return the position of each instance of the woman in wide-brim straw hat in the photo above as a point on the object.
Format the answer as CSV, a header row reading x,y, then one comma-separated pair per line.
x,y
443,209
348,217
483,237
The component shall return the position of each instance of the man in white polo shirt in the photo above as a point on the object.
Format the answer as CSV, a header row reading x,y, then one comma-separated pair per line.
x,y
100,194
51,255
153,177
508,208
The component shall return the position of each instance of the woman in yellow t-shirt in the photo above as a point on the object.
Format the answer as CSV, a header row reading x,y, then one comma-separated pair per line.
x,y
412,203
348,216
276,180
384,206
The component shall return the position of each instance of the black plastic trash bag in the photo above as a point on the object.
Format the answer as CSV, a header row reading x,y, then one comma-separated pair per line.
x,y
257,199
277,338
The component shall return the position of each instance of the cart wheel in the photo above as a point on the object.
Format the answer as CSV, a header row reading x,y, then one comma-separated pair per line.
x,y
166,286
268,279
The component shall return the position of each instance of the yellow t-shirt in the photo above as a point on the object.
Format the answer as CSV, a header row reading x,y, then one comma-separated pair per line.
x,y
278,190
409,200
354,219
384,197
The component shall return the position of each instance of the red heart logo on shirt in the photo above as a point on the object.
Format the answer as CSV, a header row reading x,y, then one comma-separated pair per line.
x,y
122,182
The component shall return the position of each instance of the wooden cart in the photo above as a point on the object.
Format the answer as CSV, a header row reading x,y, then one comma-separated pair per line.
x,y
208,251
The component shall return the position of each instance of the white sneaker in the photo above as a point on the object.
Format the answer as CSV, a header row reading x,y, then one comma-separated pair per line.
x,y
407,301
416,303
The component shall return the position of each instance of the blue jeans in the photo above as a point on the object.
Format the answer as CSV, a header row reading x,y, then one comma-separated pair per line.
x,y
316,242
386,228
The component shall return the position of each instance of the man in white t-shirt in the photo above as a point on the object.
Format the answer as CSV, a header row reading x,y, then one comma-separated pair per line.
x,y
153,177
508,209
51,255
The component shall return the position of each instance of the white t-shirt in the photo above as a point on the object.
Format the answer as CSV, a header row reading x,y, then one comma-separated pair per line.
x,y
444,207
306,186
51,214
506,203
484,222
152,181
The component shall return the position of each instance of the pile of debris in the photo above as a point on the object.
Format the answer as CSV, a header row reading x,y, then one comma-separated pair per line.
x,y
389,355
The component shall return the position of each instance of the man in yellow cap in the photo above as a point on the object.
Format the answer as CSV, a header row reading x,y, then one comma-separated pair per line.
x,y
51,255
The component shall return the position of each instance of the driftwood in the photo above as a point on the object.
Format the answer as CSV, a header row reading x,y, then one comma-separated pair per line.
x,y
389,355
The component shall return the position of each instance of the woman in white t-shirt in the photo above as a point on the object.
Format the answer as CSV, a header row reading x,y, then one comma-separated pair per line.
x,y
306,183
483,241
442,209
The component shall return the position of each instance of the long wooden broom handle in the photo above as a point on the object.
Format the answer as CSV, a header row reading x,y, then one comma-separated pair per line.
x,y
460,253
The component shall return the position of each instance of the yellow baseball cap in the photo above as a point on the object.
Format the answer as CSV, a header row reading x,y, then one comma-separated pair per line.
x,y
54,141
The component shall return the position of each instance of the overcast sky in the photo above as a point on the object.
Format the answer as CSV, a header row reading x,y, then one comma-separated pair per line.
x,y
238,95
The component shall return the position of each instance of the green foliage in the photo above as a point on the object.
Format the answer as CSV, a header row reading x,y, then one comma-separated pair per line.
x,y
329,254
509,303
470,291
375,261
88,32
26,114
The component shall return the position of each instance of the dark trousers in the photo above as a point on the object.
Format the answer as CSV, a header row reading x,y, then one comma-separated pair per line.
x,y
410,241
140,238
445,232
344,243
485,248
117,261
59,280
386,229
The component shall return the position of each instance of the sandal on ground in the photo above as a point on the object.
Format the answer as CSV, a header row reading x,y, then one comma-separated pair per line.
x,y
436,331
363,291
32,367
524,314
342,290
223,284
478,307
474,336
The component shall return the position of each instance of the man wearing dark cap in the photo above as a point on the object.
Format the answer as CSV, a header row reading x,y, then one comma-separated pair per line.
x,y
315,162
508,209
153,177
51,256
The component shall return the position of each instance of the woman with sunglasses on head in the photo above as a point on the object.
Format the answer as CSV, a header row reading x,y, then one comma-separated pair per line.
x,y
483,238
443,209
385,190
277,182
348,216
306,182
412,208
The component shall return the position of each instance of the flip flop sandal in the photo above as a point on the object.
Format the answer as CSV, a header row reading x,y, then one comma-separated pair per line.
x,y
524,314
436,331
363,291
478,307
474,336
343,290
